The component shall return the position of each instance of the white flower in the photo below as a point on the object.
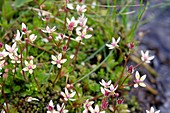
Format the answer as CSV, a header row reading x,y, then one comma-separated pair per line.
x,y
18,37
152,111
71,23
60,37
58,60
105,84
48,30
29,99
105,91
29,66
11,50
61,109
67,96
72,56
82,20
95,110
113,89
114,43
15,58
82,34
139,80
50,107
70,6
87,105
145,56
32,37
81,9
3,54
24,28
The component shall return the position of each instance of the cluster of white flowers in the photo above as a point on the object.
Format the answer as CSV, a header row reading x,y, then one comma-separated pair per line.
x,y
108,88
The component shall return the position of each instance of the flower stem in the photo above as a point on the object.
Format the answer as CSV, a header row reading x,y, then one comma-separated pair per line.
x,y
36,82
75,54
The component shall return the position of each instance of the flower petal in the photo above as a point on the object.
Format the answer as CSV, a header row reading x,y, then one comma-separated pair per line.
x,y
137,76
53,57
63,61
59,56
143,78
142,84
135,85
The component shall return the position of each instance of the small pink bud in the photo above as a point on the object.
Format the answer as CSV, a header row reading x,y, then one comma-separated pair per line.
x,y
69,86
64,48
24,30
130,69
6,70
104,104
80,0
15,36
120,100
50,108
131,45
50,37
47,17
5,75
116,94
1,44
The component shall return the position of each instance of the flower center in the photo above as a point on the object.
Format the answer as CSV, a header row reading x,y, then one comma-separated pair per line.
x,y
113,44
58,61
29,67
24,30
50,108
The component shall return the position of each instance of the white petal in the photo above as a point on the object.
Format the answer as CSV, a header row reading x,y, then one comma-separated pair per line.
x,y
72,94
87,36
8,48
25,69
142,84
23,26
63,94
109,45
33,66
151,58
147,111
143,78
26,62
135,85
113,40
53,57
31,61
14,46
102,90
137,75
96,108
78,38
68,21
118,40
142,53
70,6
157,111
53,62
59,65
59,56
51,103
30,71
63,61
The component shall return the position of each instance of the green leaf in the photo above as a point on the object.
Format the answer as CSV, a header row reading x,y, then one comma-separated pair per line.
x,y
7,11
19,3
16,88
